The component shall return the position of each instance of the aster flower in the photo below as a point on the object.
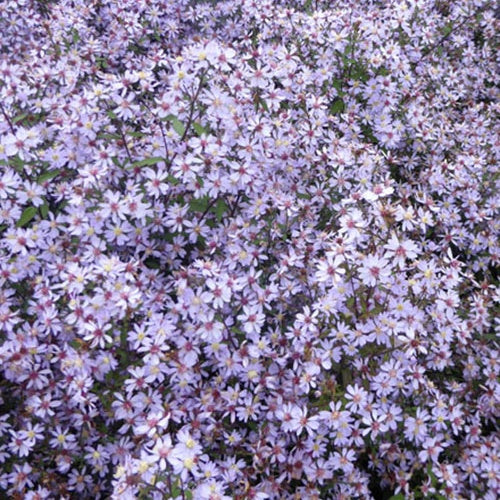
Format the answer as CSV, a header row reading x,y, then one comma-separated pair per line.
x,y
330,269
252,319
161,451
20,444
375,424
218,294
431,450
300,421
257,211
374,270
416,428
62,439
400,251
411,343
356,397
151,423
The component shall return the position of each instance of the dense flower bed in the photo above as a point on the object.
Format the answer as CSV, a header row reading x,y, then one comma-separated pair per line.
x,y
248,249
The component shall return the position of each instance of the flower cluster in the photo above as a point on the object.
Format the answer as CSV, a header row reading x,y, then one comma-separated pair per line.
x,y
249,249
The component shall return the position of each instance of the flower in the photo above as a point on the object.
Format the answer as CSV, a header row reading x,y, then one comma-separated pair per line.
x,y
356,396
398,251
161,451
411,343
374,270
300,421
329,269
252,319
218,293
431,450
375,424
416,427
21,444
152,423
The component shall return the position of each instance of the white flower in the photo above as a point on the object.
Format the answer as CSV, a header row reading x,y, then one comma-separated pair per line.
x,y
329,270
374,270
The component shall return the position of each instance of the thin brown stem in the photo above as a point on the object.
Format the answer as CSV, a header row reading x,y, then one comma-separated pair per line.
x,y
8,120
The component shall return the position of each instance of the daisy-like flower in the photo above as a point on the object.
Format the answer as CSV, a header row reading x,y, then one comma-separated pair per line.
x,y
411,343
219,293
97,335
284,416
32,193
156,181
21,477
344,460
161,451
353,223
185,456
43,406
378,191
62,439
375,424
20,444
301,421
33,431
307,320
356,397
252,319
407,217
186,443
18,144
374,270
9,183
398,251
152,423
211,490
330,270
431,450
416,427
79,480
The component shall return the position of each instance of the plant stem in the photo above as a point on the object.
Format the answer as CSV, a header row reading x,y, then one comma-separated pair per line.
x,y
8,120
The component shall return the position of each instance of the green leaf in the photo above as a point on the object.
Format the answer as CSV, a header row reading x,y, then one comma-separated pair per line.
x,y
346,374
177,125
113,137
46,176
448,29
17,163
136,134
26,216
19,118
199,129
359,73
199,204
74,344
264,105
399,496
220,209
172,180
337,106
152,263
148,161
44,210
337,84
490,336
